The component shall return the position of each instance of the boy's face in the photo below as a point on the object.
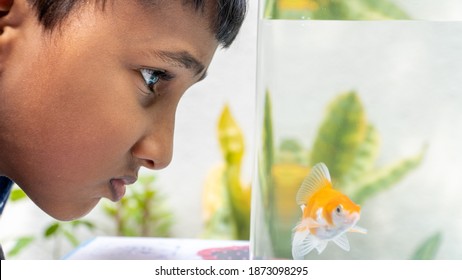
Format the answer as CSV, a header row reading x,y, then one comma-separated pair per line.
x,y
78,119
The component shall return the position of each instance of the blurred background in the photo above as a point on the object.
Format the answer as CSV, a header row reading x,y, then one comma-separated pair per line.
x,y
174,197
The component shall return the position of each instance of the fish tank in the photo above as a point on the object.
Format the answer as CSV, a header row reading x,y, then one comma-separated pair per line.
x,y
372,90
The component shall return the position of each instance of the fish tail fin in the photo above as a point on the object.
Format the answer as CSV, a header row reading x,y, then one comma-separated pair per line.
x,y
321,246
318,178
302,243
342,242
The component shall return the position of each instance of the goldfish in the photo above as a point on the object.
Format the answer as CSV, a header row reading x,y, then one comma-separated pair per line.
x,y
327,214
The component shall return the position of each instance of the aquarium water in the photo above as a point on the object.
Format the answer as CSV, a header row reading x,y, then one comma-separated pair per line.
x,y
400,79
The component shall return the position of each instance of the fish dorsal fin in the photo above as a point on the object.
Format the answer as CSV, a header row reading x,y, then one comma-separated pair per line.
x,y
318,178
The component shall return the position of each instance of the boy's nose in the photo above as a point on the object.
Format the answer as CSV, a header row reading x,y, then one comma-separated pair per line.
x,y
155,149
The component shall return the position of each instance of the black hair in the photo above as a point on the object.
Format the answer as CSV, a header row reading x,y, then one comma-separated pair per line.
x,y
226,24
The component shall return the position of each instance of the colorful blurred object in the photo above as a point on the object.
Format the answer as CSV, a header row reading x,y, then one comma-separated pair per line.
x,y
334,9
226,200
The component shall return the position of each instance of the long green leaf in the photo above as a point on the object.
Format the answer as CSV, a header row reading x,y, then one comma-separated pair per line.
x,y
51,230
382,179
428,249
271,9
71,238
364,160
375,10
340,134
20,245
230,137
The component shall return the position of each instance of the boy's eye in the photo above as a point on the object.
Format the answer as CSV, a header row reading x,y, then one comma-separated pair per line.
x,y
151,77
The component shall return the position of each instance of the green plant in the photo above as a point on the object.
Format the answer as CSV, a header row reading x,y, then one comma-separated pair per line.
x,y
142,211
429,247
226,199
346,142
60,233
333,9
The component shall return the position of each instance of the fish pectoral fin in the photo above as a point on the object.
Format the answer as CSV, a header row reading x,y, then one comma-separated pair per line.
x,y
358,229
311,223
342,242
306,225
302,244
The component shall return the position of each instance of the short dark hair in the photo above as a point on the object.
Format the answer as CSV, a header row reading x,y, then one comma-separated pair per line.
x,y
226,24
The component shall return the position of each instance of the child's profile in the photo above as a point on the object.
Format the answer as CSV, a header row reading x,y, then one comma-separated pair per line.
x,y
89,89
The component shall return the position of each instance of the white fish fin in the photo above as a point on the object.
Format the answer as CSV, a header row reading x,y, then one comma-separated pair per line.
x,y
321,246
303,207
342,242
306,224
314,181
358,229
302,244
310,223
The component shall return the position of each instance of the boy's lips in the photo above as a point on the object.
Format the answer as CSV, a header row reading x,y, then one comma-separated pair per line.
x,y
118,186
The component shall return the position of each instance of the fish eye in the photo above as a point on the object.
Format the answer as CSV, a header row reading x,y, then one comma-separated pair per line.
x,y
339,209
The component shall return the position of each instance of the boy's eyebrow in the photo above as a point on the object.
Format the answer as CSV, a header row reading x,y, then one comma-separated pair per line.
x,y
182,59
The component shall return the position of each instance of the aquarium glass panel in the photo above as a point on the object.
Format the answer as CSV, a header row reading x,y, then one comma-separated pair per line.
x,y
371,91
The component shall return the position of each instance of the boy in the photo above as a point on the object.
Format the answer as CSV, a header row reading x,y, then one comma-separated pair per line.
x,y
89,89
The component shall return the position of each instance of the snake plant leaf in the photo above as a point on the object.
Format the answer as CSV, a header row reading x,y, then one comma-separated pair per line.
x,y
364,160
271,9
291,151
232,144
384,178
268,136
288,178
340,135
239,200
226,199
374,10
230,137
217,213
266,158
428,249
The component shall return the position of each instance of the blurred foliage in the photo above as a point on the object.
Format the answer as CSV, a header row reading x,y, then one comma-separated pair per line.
x,y
346,143
428,249
226,199
58,232
333,10
141,212
349,146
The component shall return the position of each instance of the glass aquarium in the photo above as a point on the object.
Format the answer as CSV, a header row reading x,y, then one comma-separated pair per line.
x,y
373,90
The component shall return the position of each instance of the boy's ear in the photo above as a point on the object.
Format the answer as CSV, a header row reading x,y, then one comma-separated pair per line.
x,y
12,14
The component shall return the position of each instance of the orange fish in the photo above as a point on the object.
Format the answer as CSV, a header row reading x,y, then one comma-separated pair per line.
x,y
327,215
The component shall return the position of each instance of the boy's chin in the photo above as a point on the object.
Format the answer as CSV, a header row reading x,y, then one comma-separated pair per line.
x,y
68,212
